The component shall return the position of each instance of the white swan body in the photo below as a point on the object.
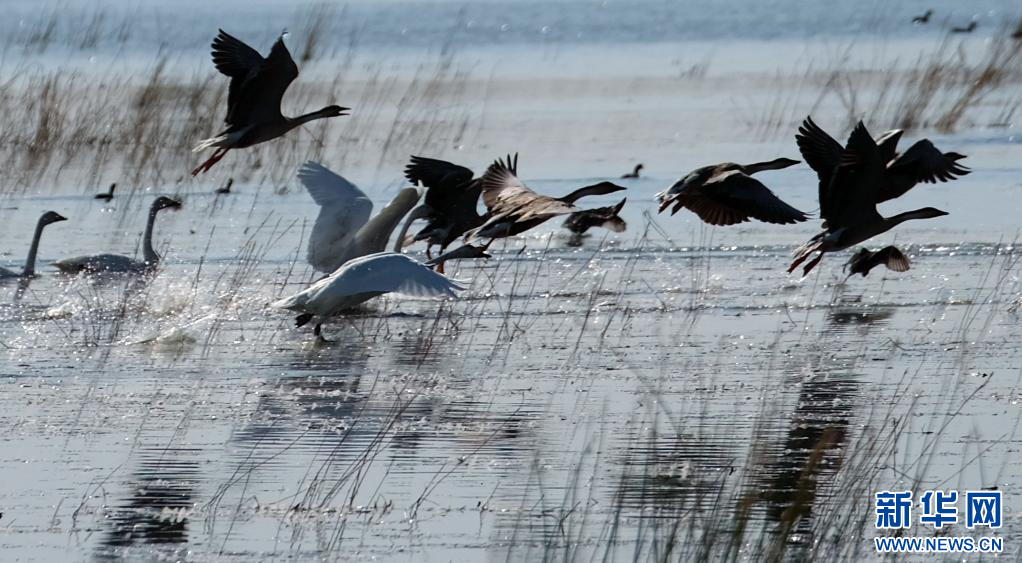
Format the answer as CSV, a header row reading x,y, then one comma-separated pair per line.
x,y
364,278
29,270
115,263
343,229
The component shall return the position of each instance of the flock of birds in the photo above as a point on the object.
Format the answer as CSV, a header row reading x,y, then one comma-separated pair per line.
x,y
349,244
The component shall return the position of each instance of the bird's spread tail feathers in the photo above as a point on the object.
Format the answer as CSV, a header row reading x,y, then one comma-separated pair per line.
x,y
210,143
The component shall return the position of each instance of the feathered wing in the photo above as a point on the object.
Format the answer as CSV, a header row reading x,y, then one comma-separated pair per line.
x,y
257,84
374,274
888,144
821,152
261,94
511,202
894,259
921,163
436,174
850,198
233,58
678,194
452,197
344,209
744,196
501,187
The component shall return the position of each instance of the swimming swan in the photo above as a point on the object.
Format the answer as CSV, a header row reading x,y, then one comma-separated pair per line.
x,y
116,263
47,218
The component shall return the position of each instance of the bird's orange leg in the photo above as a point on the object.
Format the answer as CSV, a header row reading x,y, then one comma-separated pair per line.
x,y
205,166
811,265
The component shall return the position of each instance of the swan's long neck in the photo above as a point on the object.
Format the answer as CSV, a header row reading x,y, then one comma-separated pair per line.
x,y
596,189
150,255
417,213
373,236
303,119
29,270
895,220
775,164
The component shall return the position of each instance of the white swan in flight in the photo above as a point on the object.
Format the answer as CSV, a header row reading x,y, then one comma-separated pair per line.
x,y
115,263
343,229
48,218
362,279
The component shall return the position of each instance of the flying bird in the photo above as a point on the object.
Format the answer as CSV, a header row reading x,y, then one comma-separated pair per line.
x,y
900,172
362,279
514,208
449,206
607,217
848,200
727,194
343,229
865,260
254,96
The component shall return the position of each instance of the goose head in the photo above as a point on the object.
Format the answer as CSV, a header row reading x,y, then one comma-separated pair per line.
x,y
164,202
784,162
467,251
51,217
603,188
333,111
928,213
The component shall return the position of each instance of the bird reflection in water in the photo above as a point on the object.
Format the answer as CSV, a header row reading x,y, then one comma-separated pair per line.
x,y
847,312
794,473
162,490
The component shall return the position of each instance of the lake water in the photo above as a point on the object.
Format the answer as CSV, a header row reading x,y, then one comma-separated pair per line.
x,y
633,398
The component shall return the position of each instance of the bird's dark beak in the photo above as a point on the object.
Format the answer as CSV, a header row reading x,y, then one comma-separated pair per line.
x,y
343,112
59,217
174,204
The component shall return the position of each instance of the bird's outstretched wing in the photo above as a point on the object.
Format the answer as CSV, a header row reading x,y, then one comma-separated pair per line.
x,y
894,259
851,195
921,163
389,272
501,186
344,209
821,152
257,84
233,57
436,174
734,197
